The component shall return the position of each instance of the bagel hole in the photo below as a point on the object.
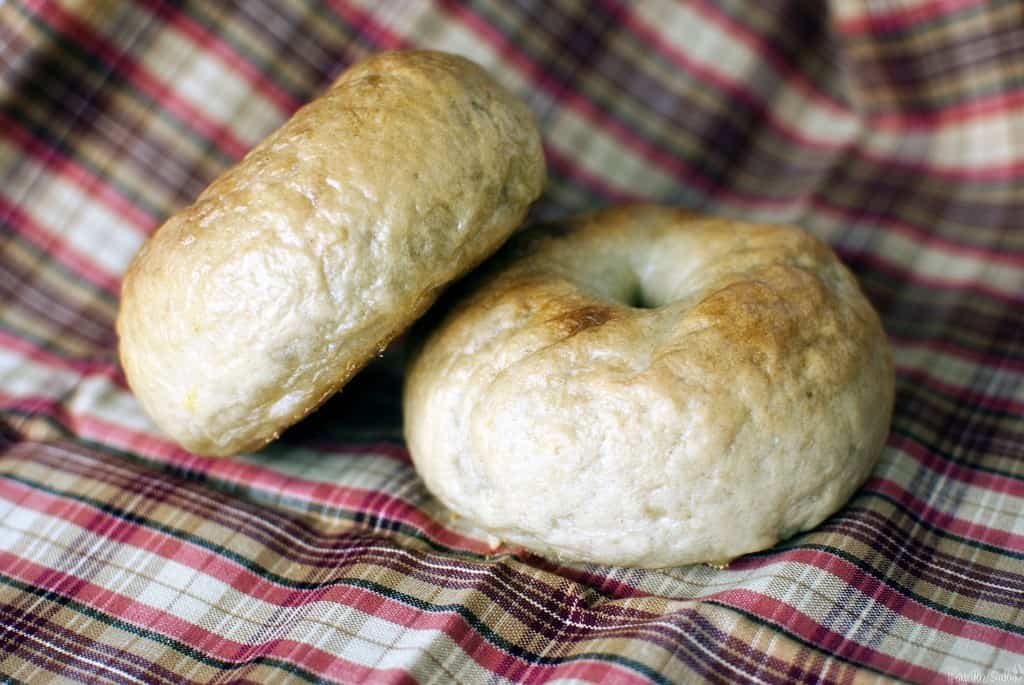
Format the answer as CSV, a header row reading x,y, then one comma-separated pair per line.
x,y
640,299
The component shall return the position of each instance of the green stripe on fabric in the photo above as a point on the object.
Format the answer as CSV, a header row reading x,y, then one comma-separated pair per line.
x,y
205,145
159,638
298,91
951,406
287,582
887,581
942,533
393,525
476,624
761,621
706,160
76,280
65,149
943,21
903,428
761,21
270,69
492,636
47,345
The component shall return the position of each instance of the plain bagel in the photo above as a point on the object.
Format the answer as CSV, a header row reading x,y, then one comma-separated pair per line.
x,y
247,309
647,387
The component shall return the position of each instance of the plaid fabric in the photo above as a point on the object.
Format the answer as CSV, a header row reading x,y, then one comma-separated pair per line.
x,y
895,130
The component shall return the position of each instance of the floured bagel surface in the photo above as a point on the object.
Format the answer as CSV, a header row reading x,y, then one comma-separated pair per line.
x,y
290,271
647,387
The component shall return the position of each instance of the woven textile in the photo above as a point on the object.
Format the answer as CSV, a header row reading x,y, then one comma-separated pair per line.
x,y
894,130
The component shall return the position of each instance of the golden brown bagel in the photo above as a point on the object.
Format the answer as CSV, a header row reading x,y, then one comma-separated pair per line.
x,y
643,386
247,309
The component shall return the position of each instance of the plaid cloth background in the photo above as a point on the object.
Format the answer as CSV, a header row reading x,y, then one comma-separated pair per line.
x,y
895,130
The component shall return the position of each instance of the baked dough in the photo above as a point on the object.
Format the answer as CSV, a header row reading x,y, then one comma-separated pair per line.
x,y
247,309
647,387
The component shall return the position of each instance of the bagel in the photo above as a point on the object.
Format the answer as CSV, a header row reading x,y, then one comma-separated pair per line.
x,y
646,387
247,309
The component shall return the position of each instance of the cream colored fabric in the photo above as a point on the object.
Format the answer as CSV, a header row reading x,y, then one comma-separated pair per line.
x,y
647,387
250,307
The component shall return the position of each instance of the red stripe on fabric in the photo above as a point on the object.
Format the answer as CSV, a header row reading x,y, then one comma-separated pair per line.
x,y
606,585
880,593
882,19
922,237
116,476
111,371
1001,104
958,112
736,89
38,646
194,556
251,584
56,249
582,670
365,24
246,583
764,48
791,620
210,43
250,475
326,665
678,167
363,500
376,449
195,635
949,469
673,165
579,174
534,71
1003,539
326,494
960,395
82,367
722,81
971,579
643,148
508,52
128,210
122,62
94,186
33,405
219,135
390,40
946,172
879,262
995,360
